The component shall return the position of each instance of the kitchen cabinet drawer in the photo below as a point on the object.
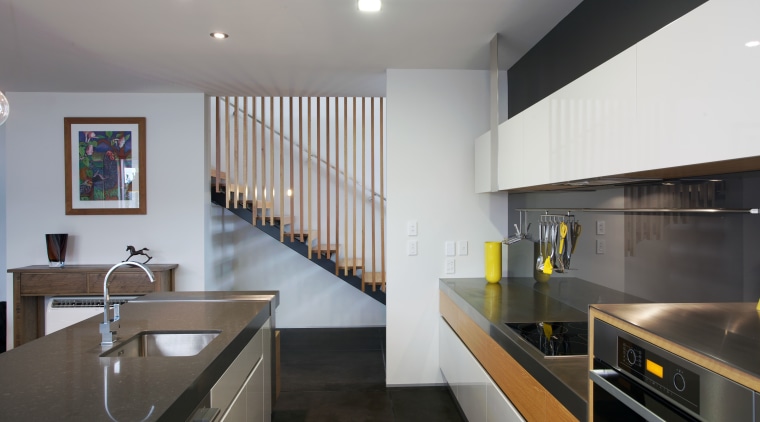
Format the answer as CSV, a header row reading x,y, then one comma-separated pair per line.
x,y
243,391
41,284
123,283
477,394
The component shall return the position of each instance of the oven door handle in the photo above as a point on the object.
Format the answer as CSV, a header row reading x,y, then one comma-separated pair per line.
x,y
597,376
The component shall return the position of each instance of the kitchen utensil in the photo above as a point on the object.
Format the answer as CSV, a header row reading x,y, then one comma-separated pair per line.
x,y
576,232
540,260
548,266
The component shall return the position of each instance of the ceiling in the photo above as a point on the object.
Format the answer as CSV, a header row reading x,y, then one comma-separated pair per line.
x,y
275,48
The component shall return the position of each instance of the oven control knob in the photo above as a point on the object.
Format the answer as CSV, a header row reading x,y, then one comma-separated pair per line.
x,y
630,356
679,382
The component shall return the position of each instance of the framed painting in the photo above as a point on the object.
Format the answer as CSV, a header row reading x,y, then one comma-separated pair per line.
x,y
105,165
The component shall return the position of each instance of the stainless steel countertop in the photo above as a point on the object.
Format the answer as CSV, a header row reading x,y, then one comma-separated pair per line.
x,y
525,300
726,332
61,376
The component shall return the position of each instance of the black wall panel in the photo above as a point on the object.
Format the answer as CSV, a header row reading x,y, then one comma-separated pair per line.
x,y
591,34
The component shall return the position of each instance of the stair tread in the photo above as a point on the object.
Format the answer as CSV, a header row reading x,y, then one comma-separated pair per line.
x,y
351,262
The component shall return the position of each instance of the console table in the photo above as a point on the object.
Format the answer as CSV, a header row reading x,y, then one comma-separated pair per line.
x,y
31,284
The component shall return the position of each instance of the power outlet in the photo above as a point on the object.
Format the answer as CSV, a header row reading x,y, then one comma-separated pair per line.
x,y
450,265
601,247
411,247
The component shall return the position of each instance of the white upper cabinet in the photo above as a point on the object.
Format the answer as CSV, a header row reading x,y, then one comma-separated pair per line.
x,y
687,94
511,153
698,88
592,121
536,150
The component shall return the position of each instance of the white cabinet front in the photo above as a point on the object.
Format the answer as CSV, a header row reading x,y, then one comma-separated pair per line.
x,y
243,393
477,394
698,86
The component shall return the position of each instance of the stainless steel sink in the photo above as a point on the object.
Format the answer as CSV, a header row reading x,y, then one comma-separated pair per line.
x,y
163,343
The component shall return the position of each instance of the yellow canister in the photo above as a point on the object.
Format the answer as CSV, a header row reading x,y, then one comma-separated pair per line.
x,y
493,262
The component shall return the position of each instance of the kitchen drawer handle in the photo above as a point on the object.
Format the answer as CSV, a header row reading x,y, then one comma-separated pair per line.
x,y
596,376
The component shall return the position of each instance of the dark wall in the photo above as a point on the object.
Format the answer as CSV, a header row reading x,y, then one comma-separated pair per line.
x,y
591,34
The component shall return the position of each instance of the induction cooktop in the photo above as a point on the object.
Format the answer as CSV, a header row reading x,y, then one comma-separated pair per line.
x,y
565,338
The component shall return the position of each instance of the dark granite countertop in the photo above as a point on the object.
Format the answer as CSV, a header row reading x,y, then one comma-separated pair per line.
x,y
62,376
523,300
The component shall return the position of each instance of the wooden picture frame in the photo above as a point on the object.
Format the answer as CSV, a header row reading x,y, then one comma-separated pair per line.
x,y
105,165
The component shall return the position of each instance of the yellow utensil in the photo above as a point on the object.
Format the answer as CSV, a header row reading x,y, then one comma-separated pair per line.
x,y
547,329
562,236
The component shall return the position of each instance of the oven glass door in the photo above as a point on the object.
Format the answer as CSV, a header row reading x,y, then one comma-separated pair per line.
x,y
619,398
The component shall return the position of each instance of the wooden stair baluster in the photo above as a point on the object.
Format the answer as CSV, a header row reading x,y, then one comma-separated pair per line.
x,y
271,159
364,195
264,188
218,169
353,215
382,200
300,166
372,184
308,220
227,151
254,162
327,169
290,182
282,171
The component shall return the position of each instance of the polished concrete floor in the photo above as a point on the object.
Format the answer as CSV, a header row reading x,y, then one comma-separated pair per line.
x,y
335,375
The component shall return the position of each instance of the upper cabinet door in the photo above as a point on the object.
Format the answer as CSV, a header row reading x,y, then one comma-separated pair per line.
x,y
593,121
698,90
511,154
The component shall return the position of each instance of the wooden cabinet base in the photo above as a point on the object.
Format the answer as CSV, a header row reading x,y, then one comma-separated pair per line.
x,y
31,284
527,394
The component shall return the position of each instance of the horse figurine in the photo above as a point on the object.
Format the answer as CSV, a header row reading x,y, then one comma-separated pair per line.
x,y
133,252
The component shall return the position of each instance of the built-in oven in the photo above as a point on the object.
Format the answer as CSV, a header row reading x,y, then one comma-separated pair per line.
x,y
634,380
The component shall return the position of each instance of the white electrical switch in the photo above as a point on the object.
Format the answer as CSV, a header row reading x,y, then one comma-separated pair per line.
x,y
451,248
601,246
411,247
411,228
600,227
450,265
462,248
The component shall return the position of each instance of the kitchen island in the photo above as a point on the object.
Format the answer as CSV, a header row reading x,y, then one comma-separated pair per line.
x,y
540,387
62,376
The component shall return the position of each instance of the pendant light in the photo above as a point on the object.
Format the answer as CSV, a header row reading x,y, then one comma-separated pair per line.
x,y
4,108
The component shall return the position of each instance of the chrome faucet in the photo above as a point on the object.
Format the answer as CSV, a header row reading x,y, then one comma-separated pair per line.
x,y
108,326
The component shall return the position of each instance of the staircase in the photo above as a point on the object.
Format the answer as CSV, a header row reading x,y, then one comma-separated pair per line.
x,y
326,155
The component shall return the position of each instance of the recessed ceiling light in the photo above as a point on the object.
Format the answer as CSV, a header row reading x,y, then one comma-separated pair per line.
x,y
752,44
369,5
219,35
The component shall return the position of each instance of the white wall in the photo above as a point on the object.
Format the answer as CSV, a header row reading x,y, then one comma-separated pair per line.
x,y
173,228
245,258
433,118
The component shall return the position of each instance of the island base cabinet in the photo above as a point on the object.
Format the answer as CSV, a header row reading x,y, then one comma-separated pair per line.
x,y
476,393
243,393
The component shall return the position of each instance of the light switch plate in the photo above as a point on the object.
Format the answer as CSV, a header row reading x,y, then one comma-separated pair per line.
x,y
601,227
411,247
411,228
462,248
451,248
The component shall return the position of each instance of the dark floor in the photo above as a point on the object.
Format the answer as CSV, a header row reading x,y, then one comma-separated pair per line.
x,y
337,375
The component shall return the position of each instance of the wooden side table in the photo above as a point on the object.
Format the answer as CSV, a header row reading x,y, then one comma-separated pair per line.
x,y
31,284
